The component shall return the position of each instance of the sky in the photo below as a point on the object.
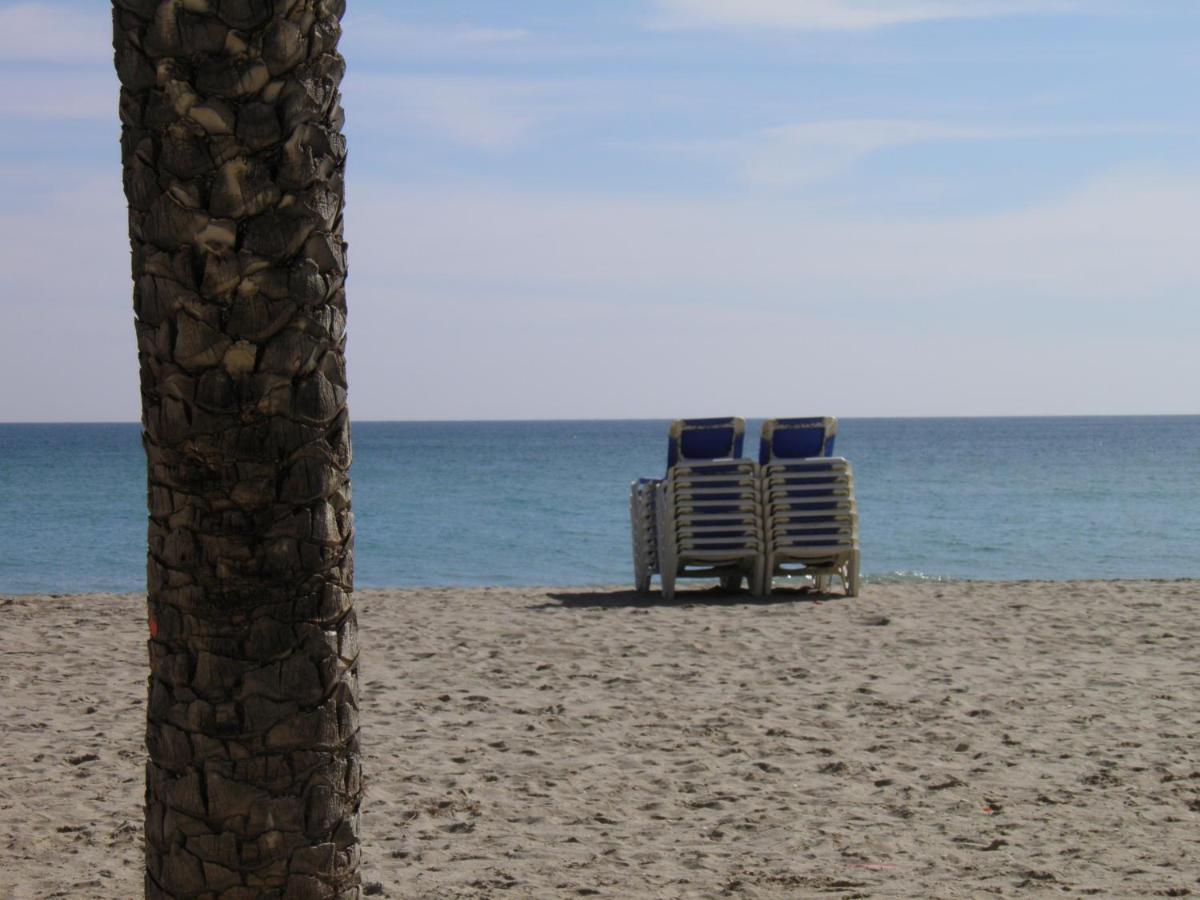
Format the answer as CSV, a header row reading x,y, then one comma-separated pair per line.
x,y
665,208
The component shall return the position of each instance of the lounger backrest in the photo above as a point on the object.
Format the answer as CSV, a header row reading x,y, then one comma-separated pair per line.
x,y
797,438
703,439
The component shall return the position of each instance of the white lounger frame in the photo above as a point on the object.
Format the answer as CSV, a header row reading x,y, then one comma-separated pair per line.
x,y
643,498
811,521
702,509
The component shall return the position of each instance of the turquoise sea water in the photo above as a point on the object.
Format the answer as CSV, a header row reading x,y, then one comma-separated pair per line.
x,y
478,503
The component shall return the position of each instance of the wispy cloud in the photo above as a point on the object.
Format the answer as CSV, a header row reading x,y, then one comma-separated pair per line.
x,y
378,35
481,113
84,306
383,40
945,308
801,154
72,75
938,313
484,112
63,96
796,155
38,32
840,15
1122,236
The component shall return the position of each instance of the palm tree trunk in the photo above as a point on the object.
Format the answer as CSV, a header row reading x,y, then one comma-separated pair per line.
x,y
233,162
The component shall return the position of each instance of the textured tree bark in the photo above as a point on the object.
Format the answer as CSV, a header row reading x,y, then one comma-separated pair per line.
x,y
233,169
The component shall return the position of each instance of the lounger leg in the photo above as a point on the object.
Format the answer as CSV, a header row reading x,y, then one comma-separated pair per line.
x,y
641,574
731,583
667,562
760,581
852,582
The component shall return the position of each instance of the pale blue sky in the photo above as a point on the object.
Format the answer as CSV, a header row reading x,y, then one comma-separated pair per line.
x,y
628,208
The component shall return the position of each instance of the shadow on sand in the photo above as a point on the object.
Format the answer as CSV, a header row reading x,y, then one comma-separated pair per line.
x,y
716,596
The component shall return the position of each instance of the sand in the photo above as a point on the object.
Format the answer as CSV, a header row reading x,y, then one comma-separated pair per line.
x,y
924,740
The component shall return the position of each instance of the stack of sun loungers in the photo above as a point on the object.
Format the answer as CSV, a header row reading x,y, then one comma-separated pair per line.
x,y
704,518
717,514
709,516
811,519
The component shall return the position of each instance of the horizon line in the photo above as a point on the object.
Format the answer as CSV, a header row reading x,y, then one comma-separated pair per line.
x,y
662,419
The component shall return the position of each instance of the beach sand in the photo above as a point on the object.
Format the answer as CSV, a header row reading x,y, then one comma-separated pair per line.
x,y
924,740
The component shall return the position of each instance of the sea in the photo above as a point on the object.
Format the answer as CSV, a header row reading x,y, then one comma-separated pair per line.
x,y
546,503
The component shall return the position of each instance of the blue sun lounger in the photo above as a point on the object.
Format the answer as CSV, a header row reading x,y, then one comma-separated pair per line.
x,y
810,518
689,441
704,518
797,438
